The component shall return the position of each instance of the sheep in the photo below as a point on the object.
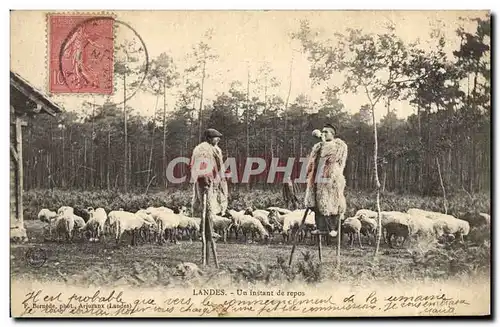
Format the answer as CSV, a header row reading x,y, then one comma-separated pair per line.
x,y
148,232
123,221
366,213
443,223
352,226
79,225
368,227
188,225
486,217
47,216
281,211
64,209
166,221
150,210
397,229
262,216
292,221
396,217
247,223
222,226
422,227
64,224
96,223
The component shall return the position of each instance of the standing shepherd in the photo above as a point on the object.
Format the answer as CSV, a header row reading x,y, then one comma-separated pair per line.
x,y
326,182
210,187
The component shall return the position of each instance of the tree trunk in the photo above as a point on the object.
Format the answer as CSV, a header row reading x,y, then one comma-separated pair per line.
x,y
377,182
164,154
125,161
108,169
200,118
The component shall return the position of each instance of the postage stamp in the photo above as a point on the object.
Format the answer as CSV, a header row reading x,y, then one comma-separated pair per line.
x,y
80,53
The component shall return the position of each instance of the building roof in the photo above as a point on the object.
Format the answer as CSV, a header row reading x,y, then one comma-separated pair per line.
x,y
21,88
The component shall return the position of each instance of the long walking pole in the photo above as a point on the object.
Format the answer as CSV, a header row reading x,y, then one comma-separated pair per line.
x,y
203,228
295,238
338,239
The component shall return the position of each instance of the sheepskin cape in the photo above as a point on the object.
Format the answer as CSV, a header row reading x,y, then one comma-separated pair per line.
x,y
325,178
206,154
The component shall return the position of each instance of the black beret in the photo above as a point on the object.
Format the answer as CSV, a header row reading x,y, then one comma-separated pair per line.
x,y
331,126
211,132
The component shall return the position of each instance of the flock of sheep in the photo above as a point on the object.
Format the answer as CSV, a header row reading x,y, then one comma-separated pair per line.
x,y
161,224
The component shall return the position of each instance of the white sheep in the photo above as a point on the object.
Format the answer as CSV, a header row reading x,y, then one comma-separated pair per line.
x,y
292,221
123,221
188,225
64,209
79,225
47,216
96,223
422,227
167,222
352,226
281,211
64,224
247,223
443,223
263,217
221,226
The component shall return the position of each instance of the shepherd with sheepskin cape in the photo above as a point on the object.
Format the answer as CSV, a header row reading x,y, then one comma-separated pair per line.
x,y
207,167
325,179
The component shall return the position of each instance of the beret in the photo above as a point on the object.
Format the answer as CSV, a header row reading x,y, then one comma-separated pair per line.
x,y
331,126
211,132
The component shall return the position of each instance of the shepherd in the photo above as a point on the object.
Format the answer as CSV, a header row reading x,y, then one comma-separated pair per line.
x,y
326,182
210,191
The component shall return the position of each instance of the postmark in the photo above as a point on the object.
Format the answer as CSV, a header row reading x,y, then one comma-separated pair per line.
x,y
81,54
36,257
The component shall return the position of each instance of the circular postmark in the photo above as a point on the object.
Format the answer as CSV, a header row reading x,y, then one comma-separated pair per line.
x,y
91,58
36,257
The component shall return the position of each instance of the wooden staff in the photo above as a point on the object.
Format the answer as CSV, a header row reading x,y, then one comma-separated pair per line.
x,y
295,238
203,227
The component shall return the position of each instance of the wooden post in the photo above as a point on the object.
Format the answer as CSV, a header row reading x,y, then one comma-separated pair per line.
x,y
17,224
19,149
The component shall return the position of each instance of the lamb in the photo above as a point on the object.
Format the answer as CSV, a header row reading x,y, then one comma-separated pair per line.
x,y
123,221
352,226
96,223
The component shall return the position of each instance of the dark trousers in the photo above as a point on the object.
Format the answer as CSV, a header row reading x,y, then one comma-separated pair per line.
x,y
326,223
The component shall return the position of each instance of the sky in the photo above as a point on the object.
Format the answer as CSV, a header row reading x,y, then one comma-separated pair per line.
x,y
243,40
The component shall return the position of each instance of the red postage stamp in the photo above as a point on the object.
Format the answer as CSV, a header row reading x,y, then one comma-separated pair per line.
x,y
80,53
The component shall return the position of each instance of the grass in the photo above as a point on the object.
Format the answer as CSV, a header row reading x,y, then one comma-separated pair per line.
x,y
150,265
154,265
